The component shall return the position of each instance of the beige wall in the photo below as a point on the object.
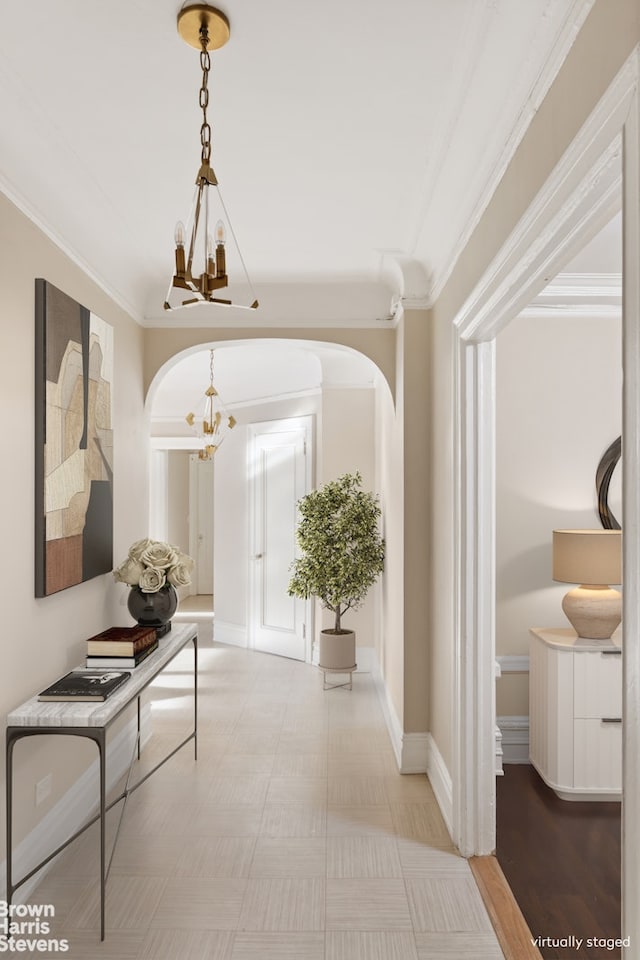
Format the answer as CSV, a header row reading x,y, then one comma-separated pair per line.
x,y
231,529
416,373
607,39
44,638
348,445
441,599
558,407
389,455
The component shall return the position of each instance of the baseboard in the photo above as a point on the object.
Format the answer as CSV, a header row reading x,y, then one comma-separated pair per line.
x,y
511,663
440,780
415,753
515,739
393,725
366,659
233,634
73,809
410,749
499,752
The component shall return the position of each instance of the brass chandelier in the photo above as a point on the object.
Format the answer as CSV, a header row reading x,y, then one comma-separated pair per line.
x,y
215,421
206,250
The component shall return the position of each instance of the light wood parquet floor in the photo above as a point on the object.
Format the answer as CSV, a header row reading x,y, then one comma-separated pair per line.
x,y
293,837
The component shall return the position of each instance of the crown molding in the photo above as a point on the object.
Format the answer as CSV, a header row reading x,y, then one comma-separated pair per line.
x,y
574,20
36,218
200,317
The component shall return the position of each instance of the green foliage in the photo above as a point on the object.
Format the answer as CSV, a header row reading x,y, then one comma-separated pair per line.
x,y
342,552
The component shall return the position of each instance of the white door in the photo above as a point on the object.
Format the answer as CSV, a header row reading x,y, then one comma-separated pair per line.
x,y
201,522
280,473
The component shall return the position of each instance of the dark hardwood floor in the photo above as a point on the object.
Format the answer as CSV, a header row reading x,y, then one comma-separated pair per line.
x,y
562,861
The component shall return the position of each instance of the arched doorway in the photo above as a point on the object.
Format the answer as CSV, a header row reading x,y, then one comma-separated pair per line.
x,y
322,399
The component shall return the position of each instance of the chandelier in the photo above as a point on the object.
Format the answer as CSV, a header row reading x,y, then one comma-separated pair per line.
x,y
207,256
212,426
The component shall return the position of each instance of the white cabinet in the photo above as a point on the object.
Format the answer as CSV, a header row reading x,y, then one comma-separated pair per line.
x,y
575,714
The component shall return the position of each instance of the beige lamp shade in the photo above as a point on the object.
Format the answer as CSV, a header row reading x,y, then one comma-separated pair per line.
x,y
587,556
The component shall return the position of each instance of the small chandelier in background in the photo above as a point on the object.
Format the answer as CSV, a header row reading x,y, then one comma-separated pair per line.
x,y
206,248
214,422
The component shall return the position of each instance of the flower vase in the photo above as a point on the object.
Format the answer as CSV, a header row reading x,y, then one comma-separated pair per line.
x,y
153,609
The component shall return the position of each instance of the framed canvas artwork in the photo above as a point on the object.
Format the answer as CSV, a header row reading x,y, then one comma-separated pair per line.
x,y
74,442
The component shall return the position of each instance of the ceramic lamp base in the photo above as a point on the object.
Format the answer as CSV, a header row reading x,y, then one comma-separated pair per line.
x,y
594,612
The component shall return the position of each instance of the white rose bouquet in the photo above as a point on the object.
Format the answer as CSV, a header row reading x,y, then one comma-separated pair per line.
x,y
151,564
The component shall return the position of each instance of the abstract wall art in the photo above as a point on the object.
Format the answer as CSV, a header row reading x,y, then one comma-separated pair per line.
x,y
74,442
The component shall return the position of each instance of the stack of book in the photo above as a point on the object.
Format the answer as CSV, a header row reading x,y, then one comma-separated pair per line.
x,y
121,647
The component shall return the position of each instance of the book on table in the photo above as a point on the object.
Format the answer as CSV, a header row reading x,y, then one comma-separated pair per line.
x,y
124,663
85,685
121,641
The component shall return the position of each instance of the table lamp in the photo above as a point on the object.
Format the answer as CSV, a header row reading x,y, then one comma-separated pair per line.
x,y
593,559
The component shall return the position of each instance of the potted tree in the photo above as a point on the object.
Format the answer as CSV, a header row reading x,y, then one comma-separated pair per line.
x,y
342,555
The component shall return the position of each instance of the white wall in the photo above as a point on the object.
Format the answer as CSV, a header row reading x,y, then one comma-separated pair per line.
x,y
231,534
559,406
178,499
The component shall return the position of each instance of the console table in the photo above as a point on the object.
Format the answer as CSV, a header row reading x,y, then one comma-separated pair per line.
x,y
92,721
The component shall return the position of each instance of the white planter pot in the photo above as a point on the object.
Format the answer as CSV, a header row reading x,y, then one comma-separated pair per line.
x,y
337,650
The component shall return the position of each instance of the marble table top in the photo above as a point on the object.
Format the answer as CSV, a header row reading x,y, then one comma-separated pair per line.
x,y
66,713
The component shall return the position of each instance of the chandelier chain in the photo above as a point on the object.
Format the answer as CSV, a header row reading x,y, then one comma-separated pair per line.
x,y
205,63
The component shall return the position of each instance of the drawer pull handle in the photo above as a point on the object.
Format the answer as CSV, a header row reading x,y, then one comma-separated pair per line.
x,y
612,653
611,720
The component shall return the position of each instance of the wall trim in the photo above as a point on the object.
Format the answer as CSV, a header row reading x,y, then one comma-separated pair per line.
x,y
366,659
233,634
391,720
564,40
440,780
515,738
77,805
514,663
415,752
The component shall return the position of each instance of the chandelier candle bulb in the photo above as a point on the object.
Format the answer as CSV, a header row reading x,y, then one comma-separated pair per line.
x,y
221,260
179,237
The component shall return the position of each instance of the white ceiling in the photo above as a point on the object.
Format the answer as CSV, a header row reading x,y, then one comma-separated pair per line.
x,y
347,137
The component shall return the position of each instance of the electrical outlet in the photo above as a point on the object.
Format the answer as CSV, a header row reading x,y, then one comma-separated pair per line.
x,y
43,789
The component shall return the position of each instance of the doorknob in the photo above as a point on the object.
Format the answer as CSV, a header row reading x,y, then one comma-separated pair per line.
x,y
257,556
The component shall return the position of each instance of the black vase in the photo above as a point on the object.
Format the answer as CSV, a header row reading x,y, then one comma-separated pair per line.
x,y
152,609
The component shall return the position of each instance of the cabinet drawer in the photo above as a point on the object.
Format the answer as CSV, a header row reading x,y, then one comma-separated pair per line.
x,y
597,685
597,755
